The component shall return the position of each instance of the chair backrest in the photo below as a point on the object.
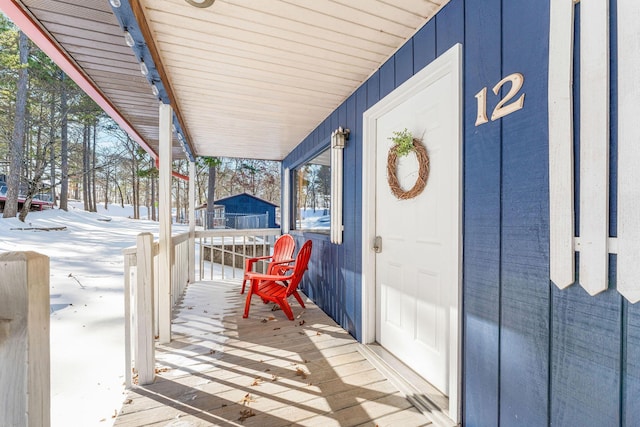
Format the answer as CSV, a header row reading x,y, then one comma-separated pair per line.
x,y
282,250
302,261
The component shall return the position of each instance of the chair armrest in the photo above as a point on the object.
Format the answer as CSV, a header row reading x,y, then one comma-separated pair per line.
x,y
250,261
284,261
279,267
258,258
260,276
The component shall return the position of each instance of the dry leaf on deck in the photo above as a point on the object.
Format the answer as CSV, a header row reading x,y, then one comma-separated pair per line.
x,y
301,373
247,399
246,413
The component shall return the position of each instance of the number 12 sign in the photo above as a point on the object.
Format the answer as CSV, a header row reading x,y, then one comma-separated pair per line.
x,y
502,109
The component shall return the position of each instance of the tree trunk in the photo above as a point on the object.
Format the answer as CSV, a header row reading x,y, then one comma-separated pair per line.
x,y
211,197
94,208
177,201
17,140
106,189
52,151
136,194
85,167
120,192
35,178
153,197
64,146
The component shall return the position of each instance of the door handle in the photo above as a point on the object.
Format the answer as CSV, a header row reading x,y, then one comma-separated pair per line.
x,y
377,244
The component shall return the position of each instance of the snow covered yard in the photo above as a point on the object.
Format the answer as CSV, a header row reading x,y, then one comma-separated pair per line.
x,y
87,305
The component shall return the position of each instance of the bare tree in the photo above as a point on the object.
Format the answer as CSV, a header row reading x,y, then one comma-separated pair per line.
x,y
64,145
17,140
212,163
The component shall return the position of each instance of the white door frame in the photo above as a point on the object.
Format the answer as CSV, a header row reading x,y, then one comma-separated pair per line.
x,y
449,62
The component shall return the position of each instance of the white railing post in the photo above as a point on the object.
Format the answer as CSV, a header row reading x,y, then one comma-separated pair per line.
x,y
25,384
129,261
192,222
144,341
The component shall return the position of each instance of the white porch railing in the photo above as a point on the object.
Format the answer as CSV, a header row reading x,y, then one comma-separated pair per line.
x,y
141,269
234,247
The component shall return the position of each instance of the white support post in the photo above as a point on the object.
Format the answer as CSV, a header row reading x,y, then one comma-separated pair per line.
x,y
144,344
628,150
594,145
285,211
561,210
164,215
25,391
192,222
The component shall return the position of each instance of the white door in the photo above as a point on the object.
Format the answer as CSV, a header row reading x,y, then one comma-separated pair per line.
x,y
418,269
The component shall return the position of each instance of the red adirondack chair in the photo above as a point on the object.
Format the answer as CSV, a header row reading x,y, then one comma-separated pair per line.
x,y
282,253
269,288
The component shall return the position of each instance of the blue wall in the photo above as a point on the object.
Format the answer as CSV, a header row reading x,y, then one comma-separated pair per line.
x,y
533,355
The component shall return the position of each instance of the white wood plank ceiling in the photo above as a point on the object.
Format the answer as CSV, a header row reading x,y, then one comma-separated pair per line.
x,y
251,78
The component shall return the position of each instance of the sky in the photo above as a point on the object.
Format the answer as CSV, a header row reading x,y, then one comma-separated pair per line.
x,y
87,304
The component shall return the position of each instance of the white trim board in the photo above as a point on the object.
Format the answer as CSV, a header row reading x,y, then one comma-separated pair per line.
x,y
449,62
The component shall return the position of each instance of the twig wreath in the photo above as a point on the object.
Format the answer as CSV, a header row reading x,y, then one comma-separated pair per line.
x,y
403,144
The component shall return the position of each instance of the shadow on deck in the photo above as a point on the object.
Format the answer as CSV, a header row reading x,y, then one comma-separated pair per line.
x,y
221,369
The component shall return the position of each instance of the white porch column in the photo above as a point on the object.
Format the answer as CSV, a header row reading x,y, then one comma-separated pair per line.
x,y
192,222
25,384
164,216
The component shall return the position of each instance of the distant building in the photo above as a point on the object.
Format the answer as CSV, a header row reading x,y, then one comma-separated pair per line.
x,y
242,211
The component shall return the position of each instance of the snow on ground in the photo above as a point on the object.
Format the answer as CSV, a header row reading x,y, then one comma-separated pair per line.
x,y
87,305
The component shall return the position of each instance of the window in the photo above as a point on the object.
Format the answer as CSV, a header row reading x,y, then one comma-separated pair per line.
x,y
312,190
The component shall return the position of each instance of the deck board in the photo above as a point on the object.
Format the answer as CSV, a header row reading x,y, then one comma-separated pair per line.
x,y
221,369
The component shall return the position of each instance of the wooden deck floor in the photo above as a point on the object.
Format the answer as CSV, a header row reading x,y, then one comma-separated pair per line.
x,y
221,369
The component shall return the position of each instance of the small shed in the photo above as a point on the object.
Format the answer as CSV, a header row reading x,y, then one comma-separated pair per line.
x,y
245,205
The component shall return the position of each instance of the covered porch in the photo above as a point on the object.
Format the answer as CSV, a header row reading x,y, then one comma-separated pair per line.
x,y
220,369
257,91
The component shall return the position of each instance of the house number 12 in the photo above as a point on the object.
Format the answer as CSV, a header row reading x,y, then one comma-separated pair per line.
x,y
502,109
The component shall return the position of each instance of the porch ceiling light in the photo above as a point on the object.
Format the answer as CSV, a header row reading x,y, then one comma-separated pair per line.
x,y
154,90
143,69
128,39
200,3
115,3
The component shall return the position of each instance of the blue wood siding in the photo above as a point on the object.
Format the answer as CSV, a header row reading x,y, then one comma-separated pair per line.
x,y
482,219
248,204
533,355
524,299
